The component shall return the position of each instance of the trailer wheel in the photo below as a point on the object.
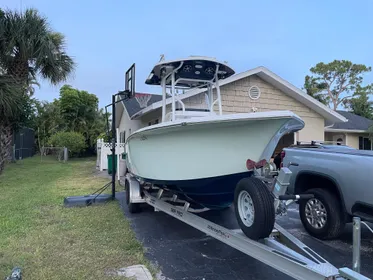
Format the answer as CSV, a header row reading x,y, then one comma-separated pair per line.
x,y
132,207
322,216
254,208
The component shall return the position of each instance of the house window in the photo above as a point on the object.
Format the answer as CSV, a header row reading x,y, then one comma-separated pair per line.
x,y
122,137
365,143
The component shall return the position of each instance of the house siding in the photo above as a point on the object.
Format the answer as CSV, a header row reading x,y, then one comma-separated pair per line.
x,y
235,99
353,139
334,136
127,125
152,117
350,139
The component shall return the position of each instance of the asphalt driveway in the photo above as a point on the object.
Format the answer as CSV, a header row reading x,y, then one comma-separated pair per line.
x,y
184,253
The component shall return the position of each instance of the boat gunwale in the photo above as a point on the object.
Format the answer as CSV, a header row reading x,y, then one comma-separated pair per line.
x,y
239,117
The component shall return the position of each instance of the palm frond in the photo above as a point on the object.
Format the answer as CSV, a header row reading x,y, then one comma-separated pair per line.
x,y
58,69
28,44
10,98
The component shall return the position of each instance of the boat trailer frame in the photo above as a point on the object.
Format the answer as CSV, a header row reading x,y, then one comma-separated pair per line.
x,y
281,250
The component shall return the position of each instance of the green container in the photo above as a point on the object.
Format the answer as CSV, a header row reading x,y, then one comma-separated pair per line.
x,y
110,164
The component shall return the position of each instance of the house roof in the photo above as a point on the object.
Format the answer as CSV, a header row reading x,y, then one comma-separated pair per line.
x,y
355,123
269,77
132,106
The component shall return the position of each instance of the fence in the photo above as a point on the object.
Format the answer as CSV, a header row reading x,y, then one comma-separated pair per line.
x,y
23,143
103,150
60,153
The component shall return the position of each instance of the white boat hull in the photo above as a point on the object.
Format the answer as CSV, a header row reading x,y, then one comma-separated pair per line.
x,y
207,147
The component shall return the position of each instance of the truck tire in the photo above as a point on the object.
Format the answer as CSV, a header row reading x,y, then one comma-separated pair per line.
x,y
322,216
258,222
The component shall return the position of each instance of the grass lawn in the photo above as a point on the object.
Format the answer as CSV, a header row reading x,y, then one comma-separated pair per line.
x,y
49,241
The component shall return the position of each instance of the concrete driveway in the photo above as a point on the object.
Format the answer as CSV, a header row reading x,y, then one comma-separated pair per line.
x,y
184,253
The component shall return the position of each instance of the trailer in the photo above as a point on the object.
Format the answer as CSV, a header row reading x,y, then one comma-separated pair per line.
x,y
280,250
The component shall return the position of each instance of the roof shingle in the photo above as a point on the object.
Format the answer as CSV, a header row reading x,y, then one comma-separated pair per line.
x,y
354,122
132,106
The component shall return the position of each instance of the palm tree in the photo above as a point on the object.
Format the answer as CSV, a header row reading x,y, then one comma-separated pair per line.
x,y
29,48
10,107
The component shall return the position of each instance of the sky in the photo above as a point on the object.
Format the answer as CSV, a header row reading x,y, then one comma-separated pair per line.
x,y
287,37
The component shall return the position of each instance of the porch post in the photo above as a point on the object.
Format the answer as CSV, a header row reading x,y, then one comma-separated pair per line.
x,y
346,142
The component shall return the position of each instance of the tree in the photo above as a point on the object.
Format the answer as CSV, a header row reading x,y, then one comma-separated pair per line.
x,y
73,141
29,48
47,121
360,104
80,113
314,88
337,81
78,108
10,109
74,111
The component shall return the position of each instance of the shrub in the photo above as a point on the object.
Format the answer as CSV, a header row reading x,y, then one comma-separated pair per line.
x,y
104,136
73,141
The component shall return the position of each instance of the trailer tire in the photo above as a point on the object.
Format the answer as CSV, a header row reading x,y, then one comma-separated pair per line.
x,y
335,218
132,207
254,208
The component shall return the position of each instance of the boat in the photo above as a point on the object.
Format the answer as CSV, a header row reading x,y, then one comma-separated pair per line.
x,y
201,155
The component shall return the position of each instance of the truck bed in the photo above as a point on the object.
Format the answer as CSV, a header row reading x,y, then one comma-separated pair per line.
x,y
335,149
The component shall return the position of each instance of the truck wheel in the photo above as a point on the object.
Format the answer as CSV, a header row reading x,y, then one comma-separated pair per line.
x,y
132,207
254,208
322,216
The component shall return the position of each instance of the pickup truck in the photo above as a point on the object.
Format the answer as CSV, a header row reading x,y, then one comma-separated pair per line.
x,y
340,179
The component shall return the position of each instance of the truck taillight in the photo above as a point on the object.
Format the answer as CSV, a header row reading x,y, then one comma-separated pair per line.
x,y
282,155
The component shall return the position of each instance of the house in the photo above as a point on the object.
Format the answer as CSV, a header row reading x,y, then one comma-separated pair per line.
x,y
353,133
257,89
